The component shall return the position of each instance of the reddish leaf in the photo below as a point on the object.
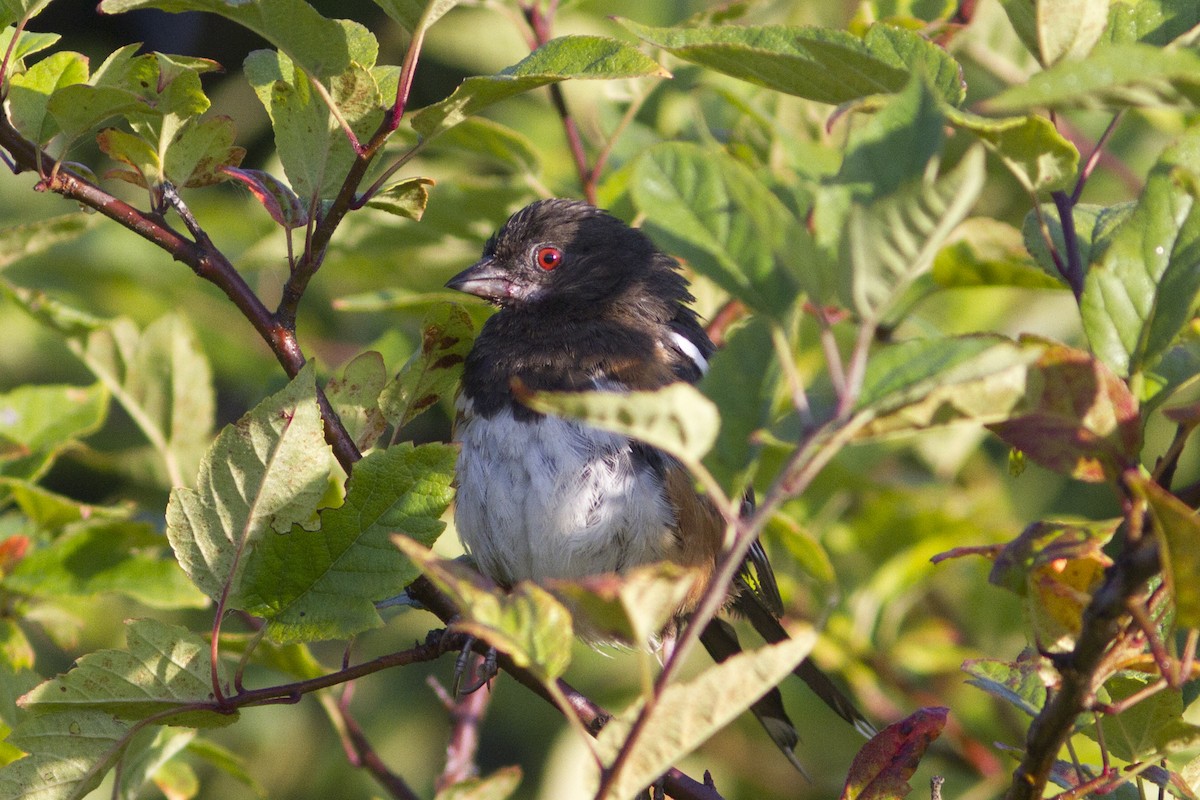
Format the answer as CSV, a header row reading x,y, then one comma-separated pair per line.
x,y
1077,417
884,765
276,197
12,550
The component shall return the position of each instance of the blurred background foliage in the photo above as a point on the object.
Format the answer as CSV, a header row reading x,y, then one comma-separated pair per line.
x,y
853,553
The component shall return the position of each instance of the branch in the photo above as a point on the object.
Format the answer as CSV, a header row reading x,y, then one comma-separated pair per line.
x,y
1081,669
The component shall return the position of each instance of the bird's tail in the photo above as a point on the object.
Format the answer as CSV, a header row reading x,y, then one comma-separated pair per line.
x,y
770,628
721,642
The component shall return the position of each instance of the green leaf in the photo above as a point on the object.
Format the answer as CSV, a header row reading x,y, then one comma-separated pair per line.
x,y
37,422
1068,29
894,147
29,93
197,154
127,558
500,785
568,57
820,64
741,380
1133,735
894,239
50,511
676,419
69,754
924,383
407,198
1022,683
165,667
1094,226
497,142
1077,417
526,623
265,473
987,252
81,107
149,756
20,241
20,10
688,713
1156,22
28,44
225,760
314,149
1031,147
1177,529
324,584
354,395
713,211
414,15
433,371
318,45
1139,292
164,383
1114,76
133,151
632,608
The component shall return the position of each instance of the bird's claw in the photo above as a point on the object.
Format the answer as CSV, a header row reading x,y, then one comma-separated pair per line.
x,y
462,667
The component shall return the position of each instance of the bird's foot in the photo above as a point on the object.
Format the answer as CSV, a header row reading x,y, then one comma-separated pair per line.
x,y
478,671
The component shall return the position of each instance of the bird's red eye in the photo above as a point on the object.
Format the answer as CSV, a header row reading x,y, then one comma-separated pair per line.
x,y
549,257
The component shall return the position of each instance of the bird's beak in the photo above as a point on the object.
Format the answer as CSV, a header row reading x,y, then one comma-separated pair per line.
x,y
488,280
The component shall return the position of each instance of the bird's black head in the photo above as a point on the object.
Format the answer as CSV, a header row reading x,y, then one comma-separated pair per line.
x,y
570,254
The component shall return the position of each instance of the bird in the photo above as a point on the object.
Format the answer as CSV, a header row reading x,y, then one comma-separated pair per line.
x,y
589,303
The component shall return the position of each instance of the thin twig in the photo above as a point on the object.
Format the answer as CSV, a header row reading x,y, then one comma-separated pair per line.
x,y
1094,158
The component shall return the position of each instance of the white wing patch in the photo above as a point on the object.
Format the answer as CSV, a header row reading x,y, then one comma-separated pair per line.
x,y
690,350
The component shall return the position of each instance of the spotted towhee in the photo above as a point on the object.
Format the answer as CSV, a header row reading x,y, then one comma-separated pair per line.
x,y
588,303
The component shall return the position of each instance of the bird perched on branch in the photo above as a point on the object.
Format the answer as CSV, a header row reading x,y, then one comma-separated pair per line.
x,y
588,303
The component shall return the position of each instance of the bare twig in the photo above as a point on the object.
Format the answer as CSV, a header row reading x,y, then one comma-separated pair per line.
x,y
466,713
1072,271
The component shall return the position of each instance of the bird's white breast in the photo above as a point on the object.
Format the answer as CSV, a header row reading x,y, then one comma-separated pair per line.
x,y
551,498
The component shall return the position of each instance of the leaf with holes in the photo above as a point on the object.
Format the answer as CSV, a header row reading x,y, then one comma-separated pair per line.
x,y
264,473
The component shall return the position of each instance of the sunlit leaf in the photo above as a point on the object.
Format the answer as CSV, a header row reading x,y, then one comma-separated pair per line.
x,y
69,754
1134,734
416,15
1055,567
688,713
36,422
1139,292
1040,157
498,786
526,623
150,755
1094,226
677,418
407,198
1178,531
133,151
164,667
498,143
1068,29
265,473
273,194
323,584
1157,22
1113,76
631,608
820,64
569,57
29,93
987,252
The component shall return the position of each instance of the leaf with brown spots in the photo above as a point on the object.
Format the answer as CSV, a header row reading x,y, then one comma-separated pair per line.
x,y
434,370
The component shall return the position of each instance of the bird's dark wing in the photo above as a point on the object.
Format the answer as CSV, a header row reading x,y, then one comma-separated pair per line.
x,y
721,642
751,606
